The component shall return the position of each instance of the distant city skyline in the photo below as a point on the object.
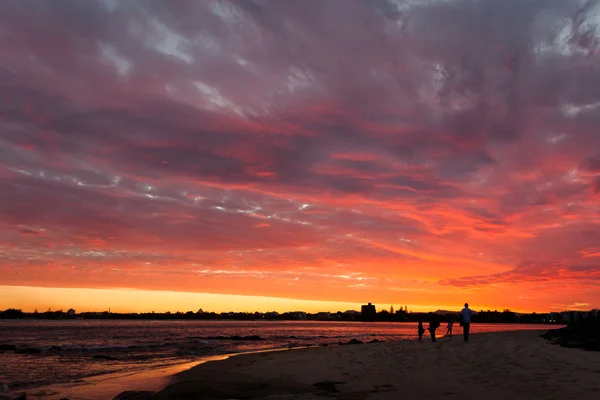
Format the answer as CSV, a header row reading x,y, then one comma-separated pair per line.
x,y
120,301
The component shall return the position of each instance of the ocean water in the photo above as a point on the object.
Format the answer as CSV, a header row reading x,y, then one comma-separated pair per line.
x,y
68,352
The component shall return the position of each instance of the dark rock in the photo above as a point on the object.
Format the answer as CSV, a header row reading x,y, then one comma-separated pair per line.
x,y
328,386
573,344
237,338
355,341
28,350
21,397
592,346
134,395
104,357
583,334
7,347
253,337
375,341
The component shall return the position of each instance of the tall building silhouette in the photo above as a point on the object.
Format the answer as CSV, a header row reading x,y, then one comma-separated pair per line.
x,y
368,312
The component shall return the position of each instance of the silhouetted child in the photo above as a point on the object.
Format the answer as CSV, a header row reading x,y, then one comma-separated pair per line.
x,y
449,329
421,330
433,325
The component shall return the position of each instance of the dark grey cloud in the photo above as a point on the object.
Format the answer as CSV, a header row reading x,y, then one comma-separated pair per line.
x,y
245,125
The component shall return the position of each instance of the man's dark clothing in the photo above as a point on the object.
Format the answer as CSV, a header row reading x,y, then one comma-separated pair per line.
x,y
433,325
466,315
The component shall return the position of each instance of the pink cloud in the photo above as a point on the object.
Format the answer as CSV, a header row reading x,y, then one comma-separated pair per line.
x,y
275,142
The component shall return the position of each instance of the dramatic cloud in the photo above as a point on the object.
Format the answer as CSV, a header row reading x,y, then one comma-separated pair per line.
x,y
396,151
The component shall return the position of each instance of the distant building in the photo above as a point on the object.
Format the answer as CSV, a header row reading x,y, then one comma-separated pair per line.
x,y
594,313
298,315
71,313
323,316
368,311
350,315
572,316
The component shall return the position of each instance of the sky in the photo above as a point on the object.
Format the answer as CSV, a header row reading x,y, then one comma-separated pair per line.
x,y
317,154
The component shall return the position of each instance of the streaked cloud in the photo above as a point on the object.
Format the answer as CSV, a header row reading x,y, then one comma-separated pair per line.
x,y
433,150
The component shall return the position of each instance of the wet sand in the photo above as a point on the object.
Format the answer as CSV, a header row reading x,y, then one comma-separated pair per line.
x,y
507,365
109,385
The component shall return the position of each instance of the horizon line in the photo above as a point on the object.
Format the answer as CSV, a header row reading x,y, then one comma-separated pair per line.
x,y
132,300
383,310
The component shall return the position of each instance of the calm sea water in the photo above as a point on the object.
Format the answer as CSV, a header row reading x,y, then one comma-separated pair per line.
x,y
69,351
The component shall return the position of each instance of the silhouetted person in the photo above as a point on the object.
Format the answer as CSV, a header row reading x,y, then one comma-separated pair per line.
x,y
465,318
449,329
421,330
433,325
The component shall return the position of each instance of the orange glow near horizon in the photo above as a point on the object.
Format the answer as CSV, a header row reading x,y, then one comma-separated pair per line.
x,y
138,301
245,157
122,300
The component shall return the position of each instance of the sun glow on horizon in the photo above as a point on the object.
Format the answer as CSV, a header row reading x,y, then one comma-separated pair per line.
x,y
121,300
134,300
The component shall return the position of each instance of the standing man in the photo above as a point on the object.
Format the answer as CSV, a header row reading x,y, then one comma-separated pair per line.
x,y
465,315
433,325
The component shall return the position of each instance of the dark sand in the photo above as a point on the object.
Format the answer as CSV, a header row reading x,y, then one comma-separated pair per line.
x,y
508,365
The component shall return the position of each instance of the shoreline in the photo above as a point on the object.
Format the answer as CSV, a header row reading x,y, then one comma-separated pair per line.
x,y
520,364
153,379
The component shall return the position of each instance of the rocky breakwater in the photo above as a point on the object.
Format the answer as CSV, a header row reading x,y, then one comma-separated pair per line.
x,y
5,396
584,334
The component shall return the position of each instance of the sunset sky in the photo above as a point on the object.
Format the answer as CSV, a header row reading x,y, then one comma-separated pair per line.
x,y
255,155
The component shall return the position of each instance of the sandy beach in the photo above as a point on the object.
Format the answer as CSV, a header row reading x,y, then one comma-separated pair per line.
x,y
514,365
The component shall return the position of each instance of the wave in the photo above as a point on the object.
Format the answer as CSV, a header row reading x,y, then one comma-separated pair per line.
x,y
183,342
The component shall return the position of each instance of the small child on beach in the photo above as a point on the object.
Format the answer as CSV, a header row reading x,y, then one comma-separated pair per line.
x,y
449,329
421,330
